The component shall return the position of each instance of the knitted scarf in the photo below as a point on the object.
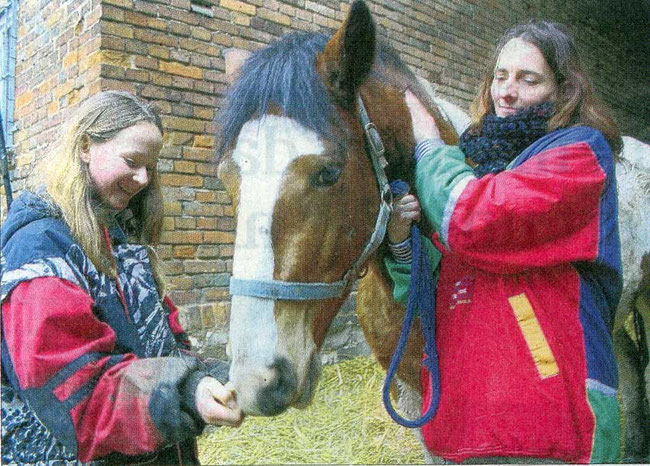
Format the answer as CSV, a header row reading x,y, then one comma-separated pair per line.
x,y
502,139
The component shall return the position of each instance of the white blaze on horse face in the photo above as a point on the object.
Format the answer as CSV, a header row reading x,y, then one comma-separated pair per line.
x,y
264,150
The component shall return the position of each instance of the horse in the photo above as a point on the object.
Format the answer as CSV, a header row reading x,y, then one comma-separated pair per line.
x,y
310,206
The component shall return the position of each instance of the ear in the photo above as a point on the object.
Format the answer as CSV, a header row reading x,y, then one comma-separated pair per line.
x,y
235,58
349,55
84,148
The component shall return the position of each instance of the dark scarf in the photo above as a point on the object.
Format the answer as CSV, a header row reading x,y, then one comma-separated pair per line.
x,y
501,140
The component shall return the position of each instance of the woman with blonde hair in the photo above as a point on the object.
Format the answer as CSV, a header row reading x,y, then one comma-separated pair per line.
x,y
94,362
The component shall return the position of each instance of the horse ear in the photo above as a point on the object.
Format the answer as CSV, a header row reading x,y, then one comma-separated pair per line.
x,y
349,55
235,58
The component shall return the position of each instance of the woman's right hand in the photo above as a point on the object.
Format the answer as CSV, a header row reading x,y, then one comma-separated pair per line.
x,y
423,125
217,403
406,210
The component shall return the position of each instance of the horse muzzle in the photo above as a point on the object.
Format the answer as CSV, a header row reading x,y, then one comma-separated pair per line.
x,y
271,390
265,391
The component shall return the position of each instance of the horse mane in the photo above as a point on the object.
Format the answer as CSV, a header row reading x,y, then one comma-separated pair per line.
x,y
283,75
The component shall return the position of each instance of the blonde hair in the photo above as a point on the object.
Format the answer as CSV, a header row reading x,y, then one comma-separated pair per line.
x,y
70,186
576,103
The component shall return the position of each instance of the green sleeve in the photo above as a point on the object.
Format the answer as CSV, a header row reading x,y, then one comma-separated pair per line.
x,y
400,273
437,174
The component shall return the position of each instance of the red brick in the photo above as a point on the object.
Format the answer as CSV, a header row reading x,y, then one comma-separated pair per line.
x,y
238,6
185,223
182,237
206,223
203,140
184,252
114,85
207,252
181,282
113,13
200,209
156,23
181,180
184,297
137,19
219,237
198,154
184,124
117,29
183,166
155,37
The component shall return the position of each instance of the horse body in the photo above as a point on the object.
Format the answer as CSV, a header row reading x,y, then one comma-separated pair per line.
x,y
632,339
293,161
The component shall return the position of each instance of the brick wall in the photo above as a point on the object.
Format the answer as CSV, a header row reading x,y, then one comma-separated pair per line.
x,y
56,68
172,52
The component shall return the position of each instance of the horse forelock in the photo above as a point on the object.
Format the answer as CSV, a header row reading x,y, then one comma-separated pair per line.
x,y
283,76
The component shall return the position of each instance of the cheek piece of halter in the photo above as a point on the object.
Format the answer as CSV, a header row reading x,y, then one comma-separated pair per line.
x,y
421,295
306,291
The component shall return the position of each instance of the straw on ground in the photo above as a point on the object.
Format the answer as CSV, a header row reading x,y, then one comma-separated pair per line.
x,y
346,424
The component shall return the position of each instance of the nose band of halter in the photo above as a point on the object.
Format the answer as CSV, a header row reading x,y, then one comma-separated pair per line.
x,y
293,291
306,291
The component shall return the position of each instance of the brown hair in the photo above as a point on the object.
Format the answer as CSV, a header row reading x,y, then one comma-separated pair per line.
x,y
69,184
576,103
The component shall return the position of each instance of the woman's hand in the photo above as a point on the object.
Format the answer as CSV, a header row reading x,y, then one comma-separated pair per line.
x,y
424,126
406,210
217,404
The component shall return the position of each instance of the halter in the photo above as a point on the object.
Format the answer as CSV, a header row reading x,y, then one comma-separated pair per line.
x,y
305,291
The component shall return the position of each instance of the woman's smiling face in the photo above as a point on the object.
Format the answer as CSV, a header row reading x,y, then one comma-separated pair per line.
x,y
121,167
522,78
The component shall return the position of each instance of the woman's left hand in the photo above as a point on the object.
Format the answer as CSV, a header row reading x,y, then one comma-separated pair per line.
x,y
406,210
424,126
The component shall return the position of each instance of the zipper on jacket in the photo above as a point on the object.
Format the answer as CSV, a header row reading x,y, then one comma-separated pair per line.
x,y
120,292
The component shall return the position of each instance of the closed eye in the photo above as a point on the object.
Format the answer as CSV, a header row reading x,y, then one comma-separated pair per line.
x,y
326,176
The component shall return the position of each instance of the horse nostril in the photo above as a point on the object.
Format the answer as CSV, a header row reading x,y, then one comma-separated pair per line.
x,y
276,396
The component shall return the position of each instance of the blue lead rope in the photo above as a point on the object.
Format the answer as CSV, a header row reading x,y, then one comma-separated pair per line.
x,y
421,299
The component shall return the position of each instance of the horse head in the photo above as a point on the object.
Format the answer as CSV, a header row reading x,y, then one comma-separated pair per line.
x,y
293,160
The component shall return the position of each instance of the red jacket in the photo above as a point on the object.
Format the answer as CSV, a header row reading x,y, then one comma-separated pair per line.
x,y
529,281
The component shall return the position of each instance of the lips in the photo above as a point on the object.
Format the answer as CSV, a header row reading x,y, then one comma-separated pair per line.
x,y
503,111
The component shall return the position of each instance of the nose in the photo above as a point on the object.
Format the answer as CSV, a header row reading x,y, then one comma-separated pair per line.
x,y
264,390
507,89
277,394
141,176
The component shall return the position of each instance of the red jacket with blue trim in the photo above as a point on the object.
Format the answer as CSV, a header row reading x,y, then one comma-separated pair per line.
x,y
84,376
529,281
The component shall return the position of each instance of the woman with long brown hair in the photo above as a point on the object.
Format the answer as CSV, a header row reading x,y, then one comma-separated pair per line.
x,y
530,268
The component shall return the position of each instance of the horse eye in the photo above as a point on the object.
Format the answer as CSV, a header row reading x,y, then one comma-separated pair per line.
x,y
326,176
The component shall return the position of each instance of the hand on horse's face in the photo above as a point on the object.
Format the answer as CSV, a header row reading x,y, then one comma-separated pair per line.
x,y
217,404
424,126
406,210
